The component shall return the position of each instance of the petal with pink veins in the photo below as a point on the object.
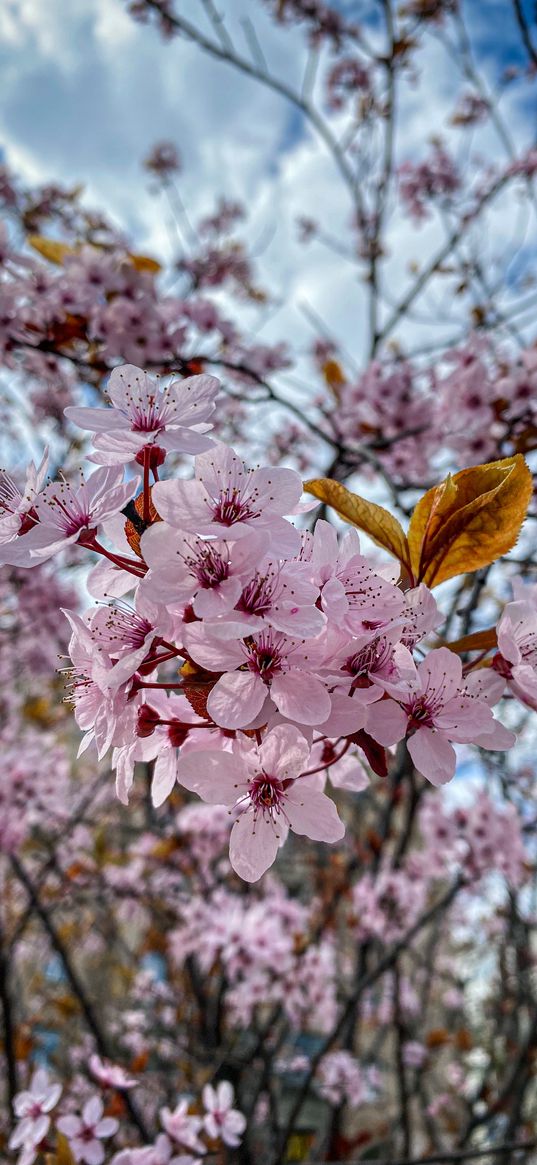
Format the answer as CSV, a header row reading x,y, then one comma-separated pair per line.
x,y
217,777
301,697
386,722
164,775
433,755
312,814
236,699
254,843
284,752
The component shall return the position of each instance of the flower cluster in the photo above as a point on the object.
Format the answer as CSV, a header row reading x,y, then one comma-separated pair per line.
x,y
254,659
434,180
185,1140
476,403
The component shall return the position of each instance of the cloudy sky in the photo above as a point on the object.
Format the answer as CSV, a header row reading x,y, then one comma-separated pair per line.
x,y
86,92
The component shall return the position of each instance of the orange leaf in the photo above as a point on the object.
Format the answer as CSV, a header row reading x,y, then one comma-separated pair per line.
x,y
63,1155
469,520
135,525
477,641
50,249
463,1040
437,1037
144,263
334,376
374,520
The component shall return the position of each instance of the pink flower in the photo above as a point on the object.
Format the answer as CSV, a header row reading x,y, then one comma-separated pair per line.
x,y
414,1054
144,415
267,664
85,1133
184,569
32,1108
227,500
262,783
435,708
274,595
516,660
110,1075
99,705
63,512
340,1078
222,1120
162,728
16,507
182,1127
353,595
125,638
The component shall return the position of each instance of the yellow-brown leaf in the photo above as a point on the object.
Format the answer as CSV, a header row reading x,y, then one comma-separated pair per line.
x,y
50,249
334,376
145,263
375,521
477,641
469,520
63,1154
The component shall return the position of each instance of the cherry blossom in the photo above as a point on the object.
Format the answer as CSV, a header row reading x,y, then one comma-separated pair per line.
x,y
32,1109
221,1119
86,1133
109,1075
144,416
183,1127
351,592
436,708
516,659
263,785
16,507
227,499
63,514
186,569
266,664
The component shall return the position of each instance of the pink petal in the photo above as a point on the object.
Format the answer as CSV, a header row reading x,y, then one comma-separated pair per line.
x,y
107,1127
441,672
93,1153
301,697
279,489
499,738
225,1095
93,1110
236,699
70,1125
462,717
386,722
164,775
253,845
349,773
96,420
217,777
313,814
348,713
433,755
182,440
211,653
182,504
218,600
284,752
